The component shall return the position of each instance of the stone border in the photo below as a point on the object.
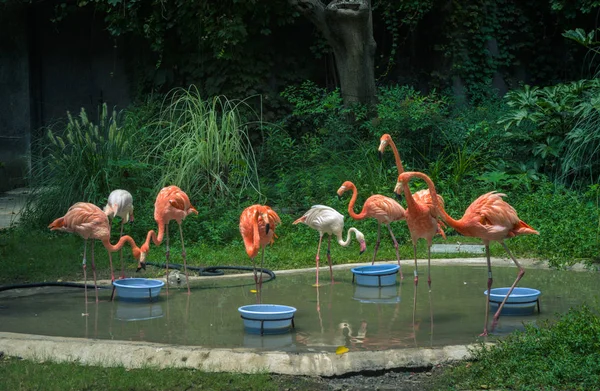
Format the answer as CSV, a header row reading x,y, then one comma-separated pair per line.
x,y
109,353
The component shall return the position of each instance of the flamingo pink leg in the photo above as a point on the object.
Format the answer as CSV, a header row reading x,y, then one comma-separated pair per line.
x,y
519,276
377,243
262,258
397,251
94,269
121,253
183,254
329,258
416,273
167,253
429,267
112,295
317,258
84,270
489,288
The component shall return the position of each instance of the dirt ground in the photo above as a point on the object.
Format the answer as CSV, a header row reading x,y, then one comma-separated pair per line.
x,y
405,380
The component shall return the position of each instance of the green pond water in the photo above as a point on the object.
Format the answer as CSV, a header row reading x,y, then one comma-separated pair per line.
x,y
361,318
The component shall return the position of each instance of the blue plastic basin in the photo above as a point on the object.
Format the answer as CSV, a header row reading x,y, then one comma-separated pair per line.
x,y
522,301
267,318
137,289
376,275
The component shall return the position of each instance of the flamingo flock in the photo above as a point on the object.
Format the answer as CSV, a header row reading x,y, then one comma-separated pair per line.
x,y
489,218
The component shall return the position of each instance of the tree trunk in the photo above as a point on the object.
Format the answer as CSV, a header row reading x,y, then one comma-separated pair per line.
x,y
347,26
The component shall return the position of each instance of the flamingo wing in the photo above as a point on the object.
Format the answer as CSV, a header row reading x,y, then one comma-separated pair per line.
x,y
492,213
384,208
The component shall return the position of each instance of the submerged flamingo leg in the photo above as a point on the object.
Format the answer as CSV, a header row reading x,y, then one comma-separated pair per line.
x,y
414,314
183,254
329,258
519,275
489,288
317,258
378,241
397,251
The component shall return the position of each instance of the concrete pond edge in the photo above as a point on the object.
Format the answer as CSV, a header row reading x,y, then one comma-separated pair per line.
x,y
155,355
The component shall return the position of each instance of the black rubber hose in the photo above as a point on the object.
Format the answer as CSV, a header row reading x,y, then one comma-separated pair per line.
x,y
203,271
40,284
216,270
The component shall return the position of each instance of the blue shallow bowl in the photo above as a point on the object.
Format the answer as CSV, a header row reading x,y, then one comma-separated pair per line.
x,y
137,289
375,275
522,301
267,318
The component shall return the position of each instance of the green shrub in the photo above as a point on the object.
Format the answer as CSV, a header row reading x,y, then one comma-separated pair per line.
x,y
82,161
560,355
203,147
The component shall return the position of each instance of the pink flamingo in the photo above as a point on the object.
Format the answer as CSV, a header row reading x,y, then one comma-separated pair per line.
x,y
327,220
384,209
120,203
90,222
489,218
257,227
171,204
421,215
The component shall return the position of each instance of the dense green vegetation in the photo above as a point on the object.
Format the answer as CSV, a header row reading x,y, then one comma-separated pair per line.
x,y
562,355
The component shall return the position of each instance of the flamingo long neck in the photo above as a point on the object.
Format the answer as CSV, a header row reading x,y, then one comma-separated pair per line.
x,y
363,212
345,243
124,239
255,235
396,156
409,198
456,224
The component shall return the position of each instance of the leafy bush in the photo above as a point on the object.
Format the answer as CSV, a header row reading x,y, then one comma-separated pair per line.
x,y
568,223
560,355
564,140
83,161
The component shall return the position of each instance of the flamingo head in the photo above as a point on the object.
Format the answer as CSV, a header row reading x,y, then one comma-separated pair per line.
x,y
109,211
345,186
130,216
383,142
140,256
262,211
399,185
361,240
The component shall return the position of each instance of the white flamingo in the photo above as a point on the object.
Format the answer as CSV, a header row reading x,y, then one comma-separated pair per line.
x,y
120,203
327,220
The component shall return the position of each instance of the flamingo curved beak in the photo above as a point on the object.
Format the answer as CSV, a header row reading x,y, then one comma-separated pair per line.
x,y
267,227
380,155
398,190
363,247
142,262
